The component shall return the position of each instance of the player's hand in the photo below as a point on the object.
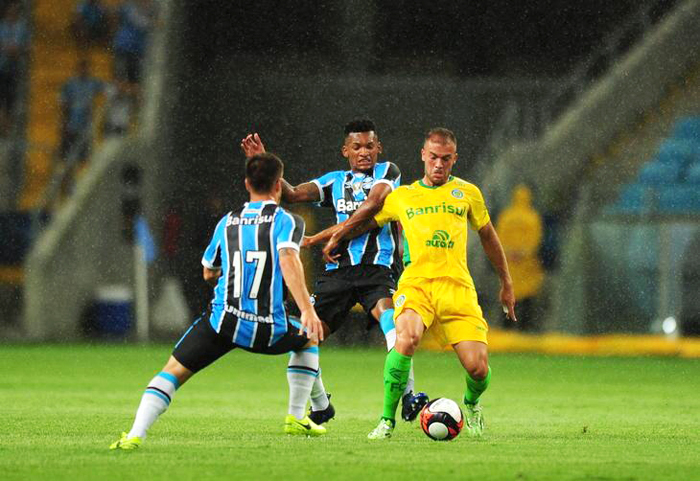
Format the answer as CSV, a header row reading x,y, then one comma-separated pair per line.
x,y
507,296
312,325
307,241
328,249
252,145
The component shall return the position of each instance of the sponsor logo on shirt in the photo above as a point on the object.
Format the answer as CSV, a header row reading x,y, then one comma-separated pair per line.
x,y
443,208
441,239
249,316
346,206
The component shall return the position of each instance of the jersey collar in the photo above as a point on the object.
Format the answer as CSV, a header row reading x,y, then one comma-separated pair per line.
x,y
423,184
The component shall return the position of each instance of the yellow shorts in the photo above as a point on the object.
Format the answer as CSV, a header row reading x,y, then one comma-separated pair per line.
x,y
448,308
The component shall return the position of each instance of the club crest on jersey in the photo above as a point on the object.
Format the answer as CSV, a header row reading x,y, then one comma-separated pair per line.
x,y
457,194
400,300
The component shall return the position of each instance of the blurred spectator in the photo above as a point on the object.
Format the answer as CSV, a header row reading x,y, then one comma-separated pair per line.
x,y
78,96
135,20
90,24
119,109
520,228
14,41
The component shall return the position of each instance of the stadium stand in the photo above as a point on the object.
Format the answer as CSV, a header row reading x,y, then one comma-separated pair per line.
x,y
589,156
669,183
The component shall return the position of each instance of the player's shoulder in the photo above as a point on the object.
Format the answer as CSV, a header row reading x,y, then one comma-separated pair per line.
x,y
386,167
332,176
288,216
466,186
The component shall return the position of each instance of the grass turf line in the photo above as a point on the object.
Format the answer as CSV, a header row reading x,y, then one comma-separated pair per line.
x,y
547,418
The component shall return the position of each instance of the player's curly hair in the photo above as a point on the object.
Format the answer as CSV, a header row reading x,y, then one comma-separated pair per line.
x,y
359,125
262,171
445,134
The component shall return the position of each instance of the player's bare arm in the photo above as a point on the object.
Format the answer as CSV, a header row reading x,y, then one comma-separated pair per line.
x,y
355,225
494,251
211,276
355,230
306,192
293,273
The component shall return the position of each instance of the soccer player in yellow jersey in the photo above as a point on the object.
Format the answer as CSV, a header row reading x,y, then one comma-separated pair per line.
x,y
436,290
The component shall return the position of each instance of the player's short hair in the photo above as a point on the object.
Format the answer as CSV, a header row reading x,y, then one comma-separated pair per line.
x,y
359,125
262,171
442,134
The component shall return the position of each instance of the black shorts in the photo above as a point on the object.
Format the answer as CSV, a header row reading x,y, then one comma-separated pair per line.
x,y
337,291
201,345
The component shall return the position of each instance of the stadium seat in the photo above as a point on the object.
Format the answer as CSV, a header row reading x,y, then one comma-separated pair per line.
x,y
660,173
635,199
692,175
687,128
679,199
680,152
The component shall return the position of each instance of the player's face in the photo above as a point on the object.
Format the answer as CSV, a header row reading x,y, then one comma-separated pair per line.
x,y
438,157
362,149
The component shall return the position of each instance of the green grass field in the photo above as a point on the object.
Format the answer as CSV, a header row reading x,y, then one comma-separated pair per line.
x,y
547,418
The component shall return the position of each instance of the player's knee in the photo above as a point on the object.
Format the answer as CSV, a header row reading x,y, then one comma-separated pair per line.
x,y
408,339
478,370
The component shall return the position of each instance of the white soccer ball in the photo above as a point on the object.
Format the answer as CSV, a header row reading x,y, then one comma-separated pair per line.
x,y
441,419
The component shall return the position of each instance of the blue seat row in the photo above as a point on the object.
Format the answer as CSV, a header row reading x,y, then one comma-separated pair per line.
x,y
670,182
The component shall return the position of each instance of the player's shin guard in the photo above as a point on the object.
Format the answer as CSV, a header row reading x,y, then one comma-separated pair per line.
x,y
302,371
476,388
319,398
386,323
396,370
155,401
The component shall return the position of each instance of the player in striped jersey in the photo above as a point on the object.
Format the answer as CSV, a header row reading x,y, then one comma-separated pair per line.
x,y
368,266
252,259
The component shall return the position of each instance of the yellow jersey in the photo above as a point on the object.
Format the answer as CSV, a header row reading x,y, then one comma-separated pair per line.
x,y
434,221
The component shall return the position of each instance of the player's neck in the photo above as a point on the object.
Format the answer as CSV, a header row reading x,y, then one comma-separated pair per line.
x,y
262,198
429,183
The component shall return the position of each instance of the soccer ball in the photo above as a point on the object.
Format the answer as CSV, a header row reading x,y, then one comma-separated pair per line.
x,y
441,419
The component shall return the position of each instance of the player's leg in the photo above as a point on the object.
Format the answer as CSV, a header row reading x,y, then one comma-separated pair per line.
x,y
409,330
302,370
332,301
198,347
475,359
383,312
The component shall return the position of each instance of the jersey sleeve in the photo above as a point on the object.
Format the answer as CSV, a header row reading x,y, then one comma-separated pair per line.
x,y
289,230
389,174
478,214
390,210
325,188
212,255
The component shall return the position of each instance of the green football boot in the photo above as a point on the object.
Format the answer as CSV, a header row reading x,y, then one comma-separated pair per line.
x,y
383,430
302,427
474,420
126,443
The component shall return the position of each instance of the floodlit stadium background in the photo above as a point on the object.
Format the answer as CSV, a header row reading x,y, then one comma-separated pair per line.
x,y
593,105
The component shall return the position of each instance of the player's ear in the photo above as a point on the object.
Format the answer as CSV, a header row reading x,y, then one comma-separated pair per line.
x,y
344,151
247,185
379,147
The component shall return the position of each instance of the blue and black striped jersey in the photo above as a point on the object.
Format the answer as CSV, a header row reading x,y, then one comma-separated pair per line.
x,y
245,247
344,192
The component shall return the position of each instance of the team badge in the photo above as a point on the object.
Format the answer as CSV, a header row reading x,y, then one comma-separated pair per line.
x,y
400,300
457,194
312,299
